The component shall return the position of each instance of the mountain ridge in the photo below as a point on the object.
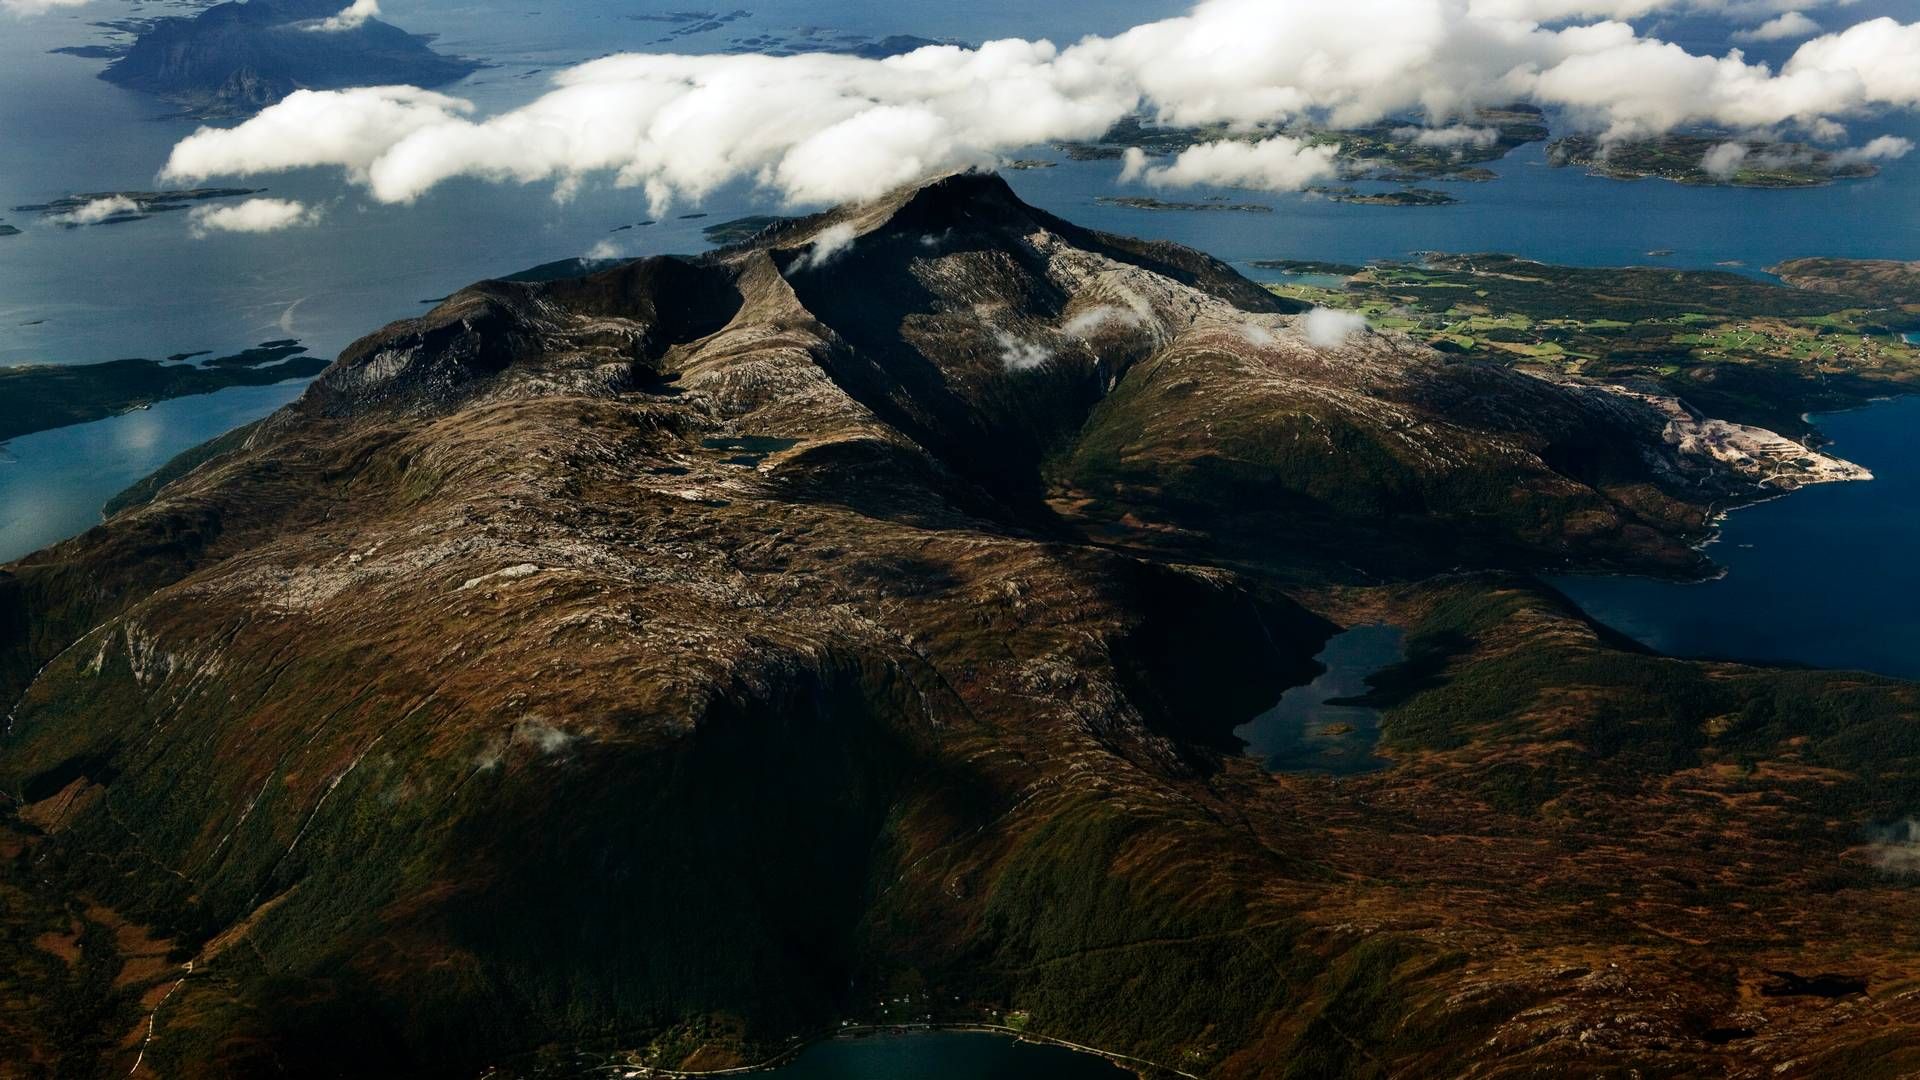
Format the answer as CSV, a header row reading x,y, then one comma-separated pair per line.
x,y
690,654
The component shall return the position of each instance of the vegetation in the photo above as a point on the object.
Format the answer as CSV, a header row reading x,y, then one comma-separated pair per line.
x,y
1737,347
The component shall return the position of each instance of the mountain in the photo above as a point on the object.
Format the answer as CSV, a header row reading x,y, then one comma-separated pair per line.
x,y
696,653
235,58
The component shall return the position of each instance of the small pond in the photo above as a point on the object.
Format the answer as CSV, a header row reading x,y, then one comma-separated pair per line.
x,y
1312,729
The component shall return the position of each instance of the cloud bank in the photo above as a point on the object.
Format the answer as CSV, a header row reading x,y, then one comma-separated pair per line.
x,y
1786,27
36,7
1278,163
818,128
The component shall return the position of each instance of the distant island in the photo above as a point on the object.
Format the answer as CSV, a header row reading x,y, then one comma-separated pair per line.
x,y
820,39
1393,150
1403,197
1747,351
40,397
726,233
1142,202
1307,266
236,58
114,207
1711,161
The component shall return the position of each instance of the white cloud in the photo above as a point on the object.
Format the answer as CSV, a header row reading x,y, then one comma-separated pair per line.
x,y
1869,63
820,128
36,7
1724,160
1095,319
252,216
1276,163
1020,355
1793,24
605,249
351,129
1884,148
351,17
1449,138
98,210
828,244
1326,328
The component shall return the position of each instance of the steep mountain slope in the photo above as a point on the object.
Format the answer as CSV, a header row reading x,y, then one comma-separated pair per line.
x,y
694,652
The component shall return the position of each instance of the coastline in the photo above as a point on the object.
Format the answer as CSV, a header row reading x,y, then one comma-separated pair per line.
x,y
861,1031
1674,624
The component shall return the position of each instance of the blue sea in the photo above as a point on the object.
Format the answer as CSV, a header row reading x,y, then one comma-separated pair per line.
x,y
1826,576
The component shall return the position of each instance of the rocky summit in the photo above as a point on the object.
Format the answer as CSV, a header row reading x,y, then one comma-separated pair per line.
x,y
690,656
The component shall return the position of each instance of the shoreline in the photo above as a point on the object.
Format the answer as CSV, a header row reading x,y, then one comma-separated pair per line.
x,y
1762,495
861,1031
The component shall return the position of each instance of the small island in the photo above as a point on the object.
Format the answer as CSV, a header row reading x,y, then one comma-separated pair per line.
x,y
727,233
116,207
40,397
1141,202
8,230
1307,266
1403,197
1709,161
236,58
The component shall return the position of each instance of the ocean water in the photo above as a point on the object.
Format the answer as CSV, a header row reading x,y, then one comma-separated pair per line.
x,y
1826,576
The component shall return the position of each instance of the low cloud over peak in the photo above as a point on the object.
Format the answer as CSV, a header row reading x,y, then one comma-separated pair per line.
x,y
827,128
351,17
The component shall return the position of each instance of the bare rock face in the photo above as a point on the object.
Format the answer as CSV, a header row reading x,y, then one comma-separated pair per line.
x,y
726,637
